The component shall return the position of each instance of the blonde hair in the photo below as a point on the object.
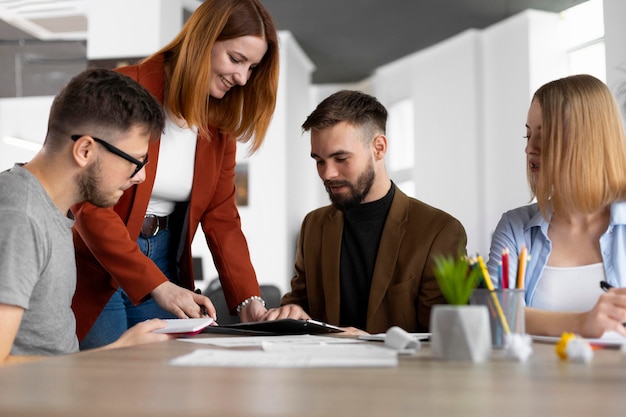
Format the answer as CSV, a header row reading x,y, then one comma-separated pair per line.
x,y
583,147
245,112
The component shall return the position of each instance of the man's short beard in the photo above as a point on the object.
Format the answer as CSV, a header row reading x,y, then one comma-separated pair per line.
x,y
88,183
357,193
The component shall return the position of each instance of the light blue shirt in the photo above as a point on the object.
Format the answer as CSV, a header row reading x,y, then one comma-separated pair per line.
x,y
526,226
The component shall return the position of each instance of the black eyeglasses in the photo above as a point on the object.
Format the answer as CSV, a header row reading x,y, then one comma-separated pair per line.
x,y
118,152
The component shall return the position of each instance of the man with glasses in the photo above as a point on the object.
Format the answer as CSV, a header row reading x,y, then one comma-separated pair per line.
x,y
117,151
37,265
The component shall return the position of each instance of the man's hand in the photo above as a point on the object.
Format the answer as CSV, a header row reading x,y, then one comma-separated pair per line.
x,y
182,302
351,331
294,311
141,333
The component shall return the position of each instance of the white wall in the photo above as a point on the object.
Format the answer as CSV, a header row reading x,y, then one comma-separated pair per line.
x,y
442,83
25,119
615,33
122,28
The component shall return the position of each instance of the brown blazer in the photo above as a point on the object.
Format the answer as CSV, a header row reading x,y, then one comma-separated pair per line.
x,y
107,255
403,288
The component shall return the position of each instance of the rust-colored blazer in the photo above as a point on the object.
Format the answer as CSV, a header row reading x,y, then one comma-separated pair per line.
x,y
107,255
404,287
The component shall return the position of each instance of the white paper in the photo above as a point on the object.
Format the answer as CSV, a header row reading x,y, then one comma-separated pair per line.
x,y
257,341
185,325
607,339
290,356
380,337
613,336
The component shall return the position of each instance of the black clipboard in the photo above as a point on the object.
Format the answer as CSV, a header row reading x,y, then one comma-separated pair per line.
x,y
275,328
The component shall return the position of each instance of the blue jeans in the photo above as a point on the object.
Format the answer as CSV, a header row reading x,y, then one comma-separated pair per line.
x,y
120,314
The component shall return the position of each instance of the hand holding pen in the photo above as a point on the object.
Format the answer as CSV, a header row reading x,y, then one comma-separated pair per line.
x,y
203,310
606,287
608,314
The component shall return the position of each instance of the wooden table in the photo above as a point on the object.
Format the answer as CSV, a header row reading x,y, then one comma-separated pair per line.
x,y
138,381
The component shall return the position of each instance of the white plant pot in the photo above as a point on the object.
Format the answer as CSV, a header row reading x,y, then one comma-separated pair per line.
x,y
460,333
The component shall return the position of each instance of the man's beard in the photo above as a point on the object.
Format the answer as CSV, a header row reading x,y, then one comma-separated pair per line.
x,y
89,186
357,192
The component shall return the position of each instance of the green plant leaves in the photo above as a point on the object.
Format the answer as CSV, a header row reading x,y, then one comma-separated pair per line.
x,y
457,279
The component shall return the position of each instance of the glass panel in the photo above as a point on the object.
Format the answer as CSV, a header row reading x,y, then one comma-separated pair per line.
x,y
401,135
589,60
584,23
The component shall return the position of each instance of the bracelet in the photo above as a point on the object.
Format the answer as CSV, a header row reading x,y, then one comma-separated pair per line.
x,y
248,301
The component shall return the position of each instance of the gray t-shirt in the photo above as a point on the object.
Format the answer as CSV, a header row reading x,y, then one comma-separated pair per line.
x,y
37,265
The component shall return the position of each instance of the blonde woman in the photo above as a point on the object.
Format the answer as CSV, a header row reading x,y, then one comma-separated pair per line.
x,y
576,231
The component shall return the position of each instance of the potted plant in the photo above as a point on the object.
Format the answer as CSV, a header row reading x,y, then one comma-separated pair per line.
x,y
459,331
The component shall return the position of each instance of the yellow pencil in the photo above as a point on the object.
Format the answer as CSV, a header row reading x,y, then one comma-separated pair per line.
x,y
521,268
494,296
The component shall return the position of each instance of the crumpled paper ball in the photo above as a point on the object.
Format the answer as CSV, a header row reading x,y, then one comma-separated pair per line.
x,y
518,346
574,348
400,340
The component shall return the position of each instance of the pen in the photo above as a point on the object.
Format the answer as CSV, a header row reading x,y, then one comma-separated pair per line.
x,y
319,323
203,310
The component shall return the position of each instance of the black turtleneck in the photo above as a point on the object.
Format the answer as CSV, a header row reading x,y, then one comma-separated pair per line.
x,y
362,227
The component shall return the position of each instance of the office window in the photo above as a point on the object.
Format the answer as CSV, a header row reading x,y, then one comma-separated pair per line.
x,y
584,36
401,145
589,60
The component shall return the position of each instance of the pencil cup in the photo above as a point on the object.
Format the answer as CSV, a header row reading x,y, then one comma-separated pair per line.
x,y
506,312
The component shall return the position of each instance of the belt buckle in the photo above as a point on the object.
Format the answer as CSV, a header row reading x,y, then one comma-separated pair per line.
x,y
152,228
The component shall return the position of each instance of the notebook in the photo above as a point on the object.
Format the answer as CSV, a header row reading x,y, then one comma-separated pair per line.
x,y
275,327
185,326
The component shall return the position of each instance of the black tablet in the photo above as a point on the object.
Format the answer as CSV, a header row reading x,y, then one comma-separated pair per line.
x,y
275,327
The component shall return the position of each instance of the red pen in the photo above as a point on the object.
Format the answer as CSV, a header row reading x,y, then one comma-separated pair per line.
x,y
505,268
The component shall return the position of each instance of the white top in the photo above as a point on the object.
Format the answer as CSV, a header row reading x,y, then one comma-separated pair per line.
x,y
569,289
174,176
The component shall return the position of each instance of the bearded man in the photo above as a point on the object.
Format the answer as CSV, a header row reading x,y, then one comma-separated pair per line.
x,y
366,261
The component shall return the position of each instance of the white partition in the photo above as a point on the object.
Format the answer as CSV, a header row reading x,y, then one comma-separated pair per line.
x,y
23,126
137,28
614,35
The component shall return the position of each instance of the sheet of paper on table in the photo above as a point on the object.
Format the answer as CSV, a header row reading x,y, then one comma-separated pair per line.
x,y
278,355
608,339
257,341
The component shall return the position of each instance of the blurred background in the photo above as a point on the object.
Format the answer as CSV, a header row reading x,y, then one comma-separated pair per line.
x,y
457,77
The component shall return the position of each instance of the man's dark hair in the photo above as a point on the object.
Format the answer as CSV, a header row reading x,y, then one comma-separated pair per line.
x,y
354,107
103,103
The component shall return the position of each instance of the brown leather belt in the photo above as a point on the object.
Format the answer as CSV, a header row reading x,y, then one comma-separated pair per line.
x,y
152,225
